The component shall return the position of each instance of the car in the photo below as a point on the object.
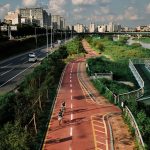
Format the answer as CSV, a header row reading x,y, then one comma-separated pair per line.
x,y
32,57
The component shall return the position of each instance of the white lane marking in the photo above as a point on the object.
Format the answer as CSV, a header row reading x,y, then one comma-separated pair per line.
x,y
71,97
70,81
71,91
17,75
5,66
6,72
71,116
71,131
23,58
71,106
70,148
70,85
25,62
70,77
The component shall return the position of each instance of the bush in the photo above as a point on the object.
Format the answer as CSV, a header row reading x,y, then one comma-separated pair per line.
x,y
136,45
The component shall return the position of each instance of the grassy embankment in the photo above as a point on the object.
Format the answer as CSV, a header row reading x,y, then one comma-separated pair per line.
x,y
143,39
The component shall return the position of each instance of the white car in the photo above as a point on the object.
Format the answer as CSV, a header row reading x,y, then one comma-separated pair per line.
x,y
32,57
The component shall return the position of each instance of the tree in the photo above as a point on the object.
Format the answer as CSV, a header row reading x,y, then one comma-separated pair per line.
x,y
14,137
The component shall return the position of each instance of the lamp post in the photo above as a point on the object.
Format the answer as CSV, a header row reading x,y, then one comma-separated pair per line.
x,y
51,34
35,38
47,39
65,36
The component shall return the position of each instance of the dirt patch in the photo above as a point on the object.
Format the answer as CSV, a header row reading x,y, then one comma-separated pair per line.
x,y
123,139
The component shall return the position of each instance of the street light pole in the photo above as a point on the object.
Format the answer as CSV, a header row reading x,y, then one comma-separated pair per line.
x,y
65,36
35,38
47,38
51,33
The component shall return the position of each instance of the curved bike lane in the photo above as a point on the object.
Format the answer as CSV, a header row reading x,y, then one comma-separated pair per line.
x,y
84,126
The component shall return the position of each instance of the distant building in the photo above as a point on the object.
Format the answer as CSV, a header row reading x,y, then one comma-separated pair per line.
x,y
119,28
58,22
142,28
12,18
62,23
79,28
102,28
92,27
125,29
35,15
111,27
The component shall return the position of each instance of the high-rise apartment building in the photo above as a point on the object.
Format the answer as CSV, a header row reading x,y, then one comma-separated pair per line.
x,y
33,14
92,27
102,28
12,18
62,23
56,21
79,28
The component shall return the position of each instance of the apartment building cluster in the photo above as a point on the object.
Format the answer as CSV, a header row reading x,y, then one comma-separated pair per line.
x,y
37,16
111,27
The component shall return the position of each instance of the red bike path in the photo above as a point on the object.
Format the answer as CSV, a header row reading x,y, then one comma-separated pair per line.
x,y
84,125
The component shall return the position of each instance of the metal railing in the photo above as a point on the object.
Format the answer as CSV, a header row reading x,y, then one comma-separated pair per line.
x,y
133,123
131,118
136,74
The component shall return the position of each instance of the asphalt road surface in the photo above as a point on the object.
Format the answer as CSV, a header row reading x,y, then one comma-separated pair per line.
x,y
13,70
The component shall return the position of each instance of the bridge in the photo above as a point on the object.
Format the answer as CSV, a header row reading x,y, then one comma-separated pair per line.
x,y
113,33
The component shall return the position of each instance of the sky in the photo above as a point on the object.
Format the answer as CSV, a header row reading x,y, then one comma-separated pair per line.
x,y
129,13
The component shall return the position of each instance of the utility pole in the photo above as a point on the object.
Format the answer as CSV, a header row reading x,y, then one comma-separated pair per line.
x,y
65,36
35,38
51,32
47,38
9,32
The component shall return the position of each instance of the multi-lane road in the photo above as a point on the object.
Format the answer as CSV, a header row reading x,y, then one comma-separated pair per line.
x,y
13,70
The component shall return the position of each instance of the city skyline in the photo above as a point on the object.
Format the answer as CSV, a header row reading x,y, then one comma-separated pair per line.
x,y
128,13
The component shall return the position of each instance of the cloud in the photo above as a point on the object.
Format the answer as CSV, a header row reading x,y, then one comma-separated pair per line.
x,y
83,2
4,9
148,8
78,10
104,10
120,18
131,14
29,3
57,7
105,1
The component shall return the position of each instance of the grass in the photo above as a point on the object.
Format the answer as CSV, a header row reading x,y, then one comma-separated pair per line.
x,y
143,39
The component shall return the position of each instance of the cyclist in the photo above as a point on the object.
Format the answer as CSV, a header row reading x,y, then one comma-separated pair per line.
x,y
60,116
63,106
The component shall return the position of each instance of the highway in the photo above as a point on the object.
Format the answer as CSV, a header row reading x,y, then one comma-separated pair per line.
x,y
13,70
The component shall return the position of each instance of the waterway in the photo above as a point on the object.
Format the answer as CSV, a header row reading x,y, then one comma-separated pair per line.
x,y
145,45
130,41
